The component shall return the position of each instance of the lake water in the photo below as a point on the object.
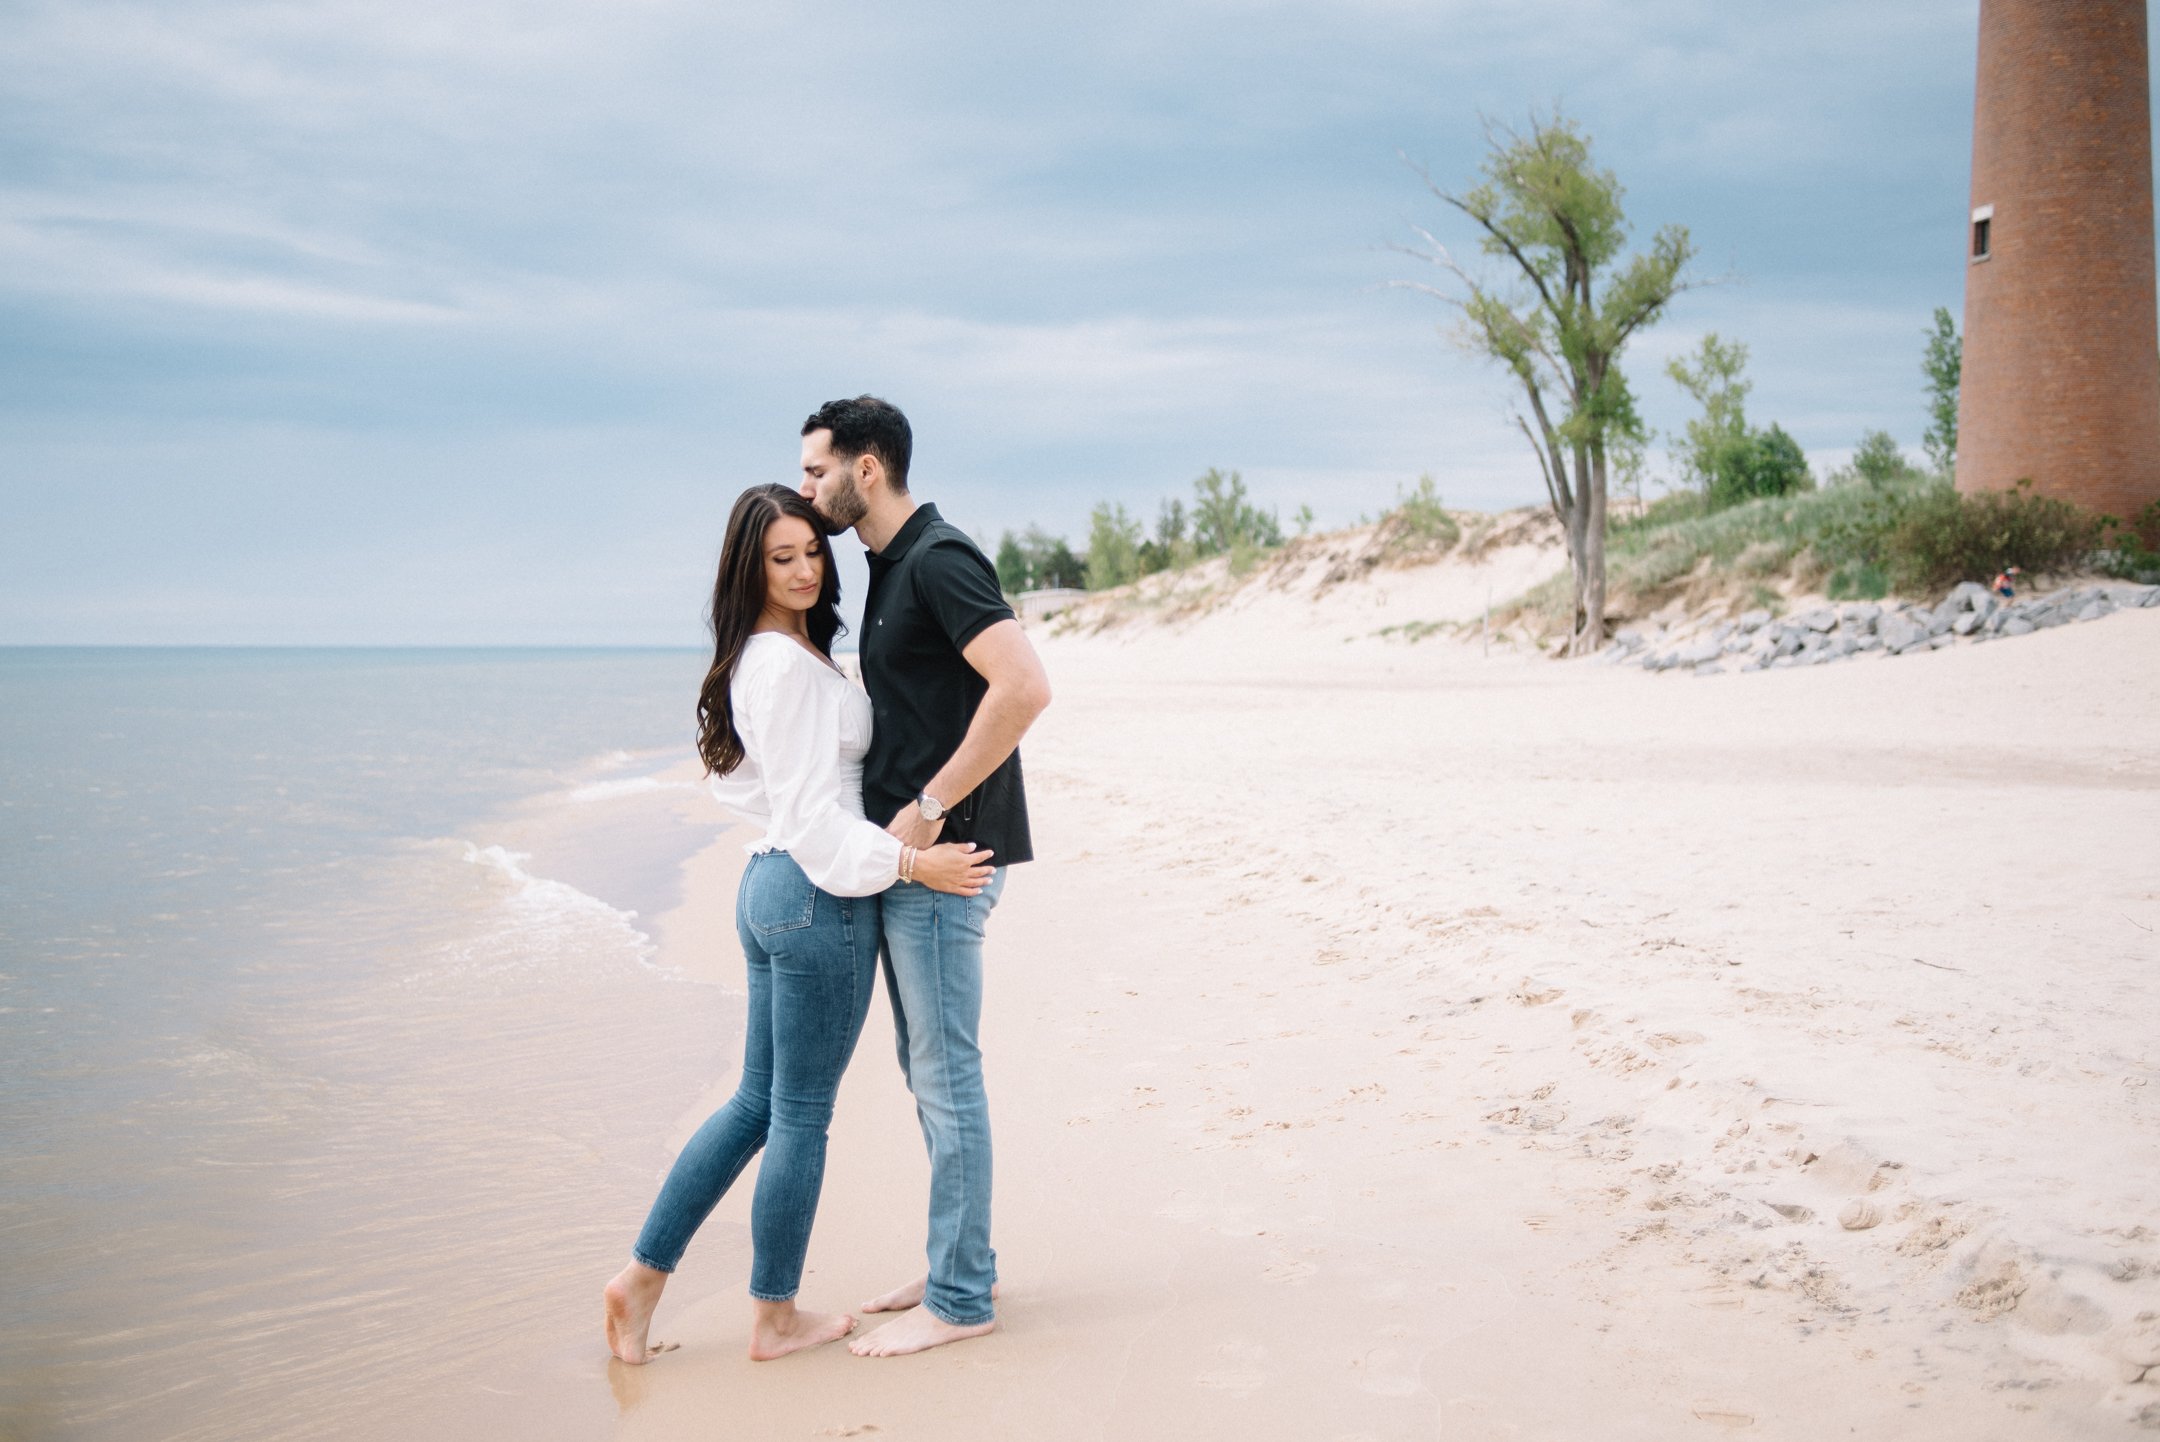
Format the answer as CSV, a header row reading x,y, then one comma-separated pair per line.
x,y
313,1061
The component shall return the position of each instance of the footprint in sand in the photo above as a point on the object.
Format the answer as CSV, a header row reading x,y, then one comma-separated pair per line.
x,y
1385,1372
1240,1370
1288,1269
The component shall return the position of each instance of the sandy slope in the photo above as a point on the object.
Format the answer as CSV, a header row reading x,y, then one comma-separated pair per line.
x,y
1394,1042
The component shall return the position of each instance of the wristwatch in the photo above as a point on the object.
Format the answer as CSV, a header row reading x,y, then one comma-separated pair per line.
x,y
932,808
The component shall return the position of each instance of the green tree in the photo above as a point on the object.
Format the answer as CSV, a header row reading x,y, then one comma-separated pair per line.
x,y
1771,464
1561,324
1720,452
1223,519
1014,573
1113,555
1942,363
1878,461
1168,547
1035,560
1716,443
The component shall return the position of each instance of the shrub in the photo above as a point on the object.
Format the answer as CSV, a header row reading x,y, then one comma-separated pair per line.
x,y
1763,463
2131,550
1419,524
1945,537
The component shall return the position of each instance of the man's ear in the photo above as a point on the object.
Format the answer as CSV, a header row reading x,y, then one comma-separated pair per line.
x,y
868,470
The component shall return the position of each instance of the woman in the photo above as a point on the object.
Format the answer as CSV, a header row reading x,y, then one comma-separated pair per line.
x,y
783,733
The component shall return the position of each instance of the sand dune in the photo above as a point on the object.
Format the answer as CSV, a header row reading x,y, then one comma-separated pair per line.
x,y
1396,1041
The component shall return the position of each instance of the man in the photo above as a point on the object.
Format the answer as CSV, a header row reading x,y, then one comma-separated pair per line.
x,y
954,685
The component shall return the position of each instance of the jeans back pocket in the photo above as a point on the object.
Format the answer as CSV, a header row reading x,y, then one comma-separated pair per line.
x,y
776,896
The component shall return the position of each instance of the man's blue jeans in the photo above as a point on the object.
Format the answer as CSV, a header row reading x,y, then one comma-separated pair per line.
x,y
934,975
813,962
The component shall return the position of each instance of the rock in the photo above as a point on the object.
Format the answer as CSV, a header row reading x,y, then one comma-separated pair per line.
x,y
1897,633
1695,653
1863,616
2151,597
1628,639
1969,595
1936,643
1845,646
1736,643
1787,643
1868,643
1859,1214
2018,626
1939,623
1710,668
1822,618
1752,621
2094,610
1966,624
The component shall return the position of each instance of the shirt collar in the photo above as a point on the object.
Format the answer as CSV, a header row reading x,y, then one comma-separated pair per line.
x,y
907,534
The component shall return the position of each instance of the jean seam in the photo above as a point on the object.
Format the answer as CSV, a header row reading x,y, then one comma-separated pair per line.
x,y
944,1064
932,1308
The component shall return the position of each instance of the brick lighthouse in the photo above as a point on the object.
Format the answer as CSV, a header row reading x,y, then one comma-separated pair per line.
x,y
2062,360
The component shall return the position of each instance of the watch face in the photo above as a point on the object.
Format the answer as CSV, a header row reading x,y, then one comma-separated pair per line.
x,y
930,809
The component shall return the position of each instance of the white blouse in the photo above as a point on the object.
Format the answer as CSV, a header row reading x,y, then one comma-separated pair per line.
x,y
804,730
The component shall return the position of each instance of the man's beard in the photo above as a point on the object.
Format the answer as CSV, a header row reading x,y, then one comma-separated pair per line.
x,y
846,507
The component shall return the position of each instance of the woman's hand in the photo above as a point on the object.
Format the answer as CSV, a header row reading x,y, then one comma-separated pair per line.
x,y
960,867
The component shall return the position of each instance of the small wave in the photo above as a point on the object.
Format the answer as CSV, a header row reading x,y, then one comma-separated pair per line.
x,y
550,925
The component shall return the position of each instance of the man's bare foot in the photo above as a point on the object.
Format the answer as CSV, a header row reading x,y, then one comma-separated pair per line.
x,y
630,1299
899,1299
781,1329
918,1331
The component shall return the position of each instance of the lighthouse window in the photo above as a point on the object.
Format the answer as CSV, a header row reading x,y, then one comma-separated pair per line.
x,y
1983,221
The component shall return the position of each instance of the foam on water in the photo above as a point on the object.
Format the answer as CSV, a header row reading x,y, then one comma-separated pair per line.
x,y
541,924
627,786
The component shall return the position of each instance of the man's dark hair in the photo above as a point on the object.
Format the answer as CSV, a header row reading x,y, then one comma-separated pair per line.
x,y
867,426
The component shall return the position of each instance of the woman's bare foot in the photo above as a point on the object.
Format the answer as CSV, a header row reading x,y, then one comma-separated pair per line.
x,y
780,1329
899,1299
917,1331
631,1298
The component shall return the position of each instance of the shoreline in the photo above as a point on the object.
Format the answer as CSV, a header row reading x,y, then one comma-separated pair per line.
x,y
1524,1080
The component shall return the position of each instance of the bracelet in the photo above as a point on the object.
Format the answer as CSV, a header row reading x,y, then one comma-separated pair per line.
x,y
907,863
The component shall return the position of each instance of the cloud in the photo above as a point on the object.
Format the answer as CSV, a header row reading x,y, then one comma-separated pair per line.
x,y
536,280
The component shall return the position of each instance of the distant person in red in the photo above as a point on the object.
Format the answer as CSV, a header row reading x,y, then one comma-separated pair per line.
x,y
2005,582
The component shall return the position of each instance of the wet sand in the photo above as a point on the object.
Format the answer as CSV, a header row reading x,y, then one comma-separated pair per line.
x,y
1392,1042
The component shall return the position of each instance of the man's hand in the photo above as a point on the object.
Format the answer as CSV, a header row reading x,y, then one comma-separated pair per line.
x,y
913,830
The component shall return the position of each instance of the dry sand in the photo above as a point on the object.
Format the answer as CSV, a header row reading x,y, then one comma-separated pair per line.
x,y
1395,1042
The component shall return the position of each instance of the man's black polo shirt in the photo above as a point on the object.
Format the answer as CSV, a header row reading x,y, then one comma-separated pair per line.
x,y
931,592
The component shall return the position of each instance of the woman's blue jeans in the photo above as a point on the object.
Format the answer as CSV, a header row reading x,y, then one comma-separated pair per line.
x,y
813,961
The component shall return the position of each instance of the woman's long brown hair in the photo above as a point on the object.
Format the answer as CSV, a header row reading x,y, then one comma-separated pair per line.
x,y
737,599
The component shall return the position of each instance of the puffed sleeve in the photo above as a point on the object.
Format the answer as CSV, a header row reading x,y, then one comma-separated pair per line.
x,y
790,721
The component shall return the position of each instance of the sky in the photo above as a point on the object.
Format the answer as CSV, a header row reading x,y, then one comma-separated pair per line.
x,y
404,323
